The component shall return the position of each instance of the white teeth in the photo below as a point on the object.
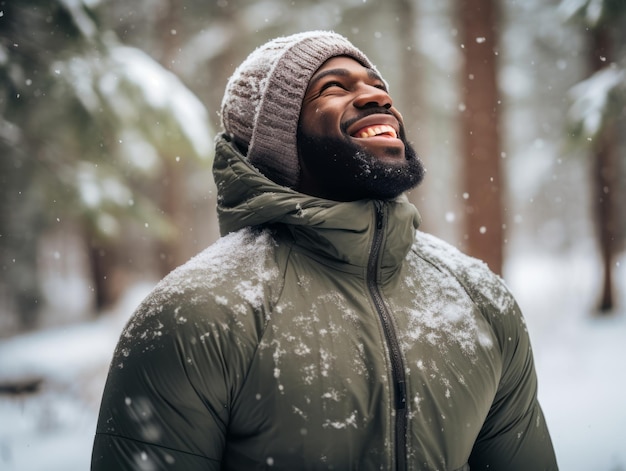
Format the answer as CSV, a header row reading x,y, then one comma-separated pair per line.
x,y
377,130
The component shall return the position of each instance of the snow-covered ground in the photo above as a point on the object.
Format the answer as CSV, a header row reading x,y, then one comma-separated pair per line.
x,y
579,359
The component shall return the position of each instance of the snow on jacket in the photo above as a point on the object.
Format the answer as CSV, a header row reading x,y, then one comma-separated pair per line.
x,y
322,335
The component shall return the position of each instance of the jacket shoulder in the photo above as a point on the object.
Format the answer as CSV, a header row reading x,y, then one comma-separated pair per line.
x,y
486,289
236,266
228,286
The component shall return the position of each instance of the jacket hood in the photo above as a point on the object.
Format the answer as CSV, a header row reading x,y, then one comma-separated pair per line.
x,y
339,230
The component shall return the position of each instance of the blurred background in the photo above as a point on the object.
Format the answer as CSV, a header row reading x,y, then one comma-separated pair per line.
x,y
108,110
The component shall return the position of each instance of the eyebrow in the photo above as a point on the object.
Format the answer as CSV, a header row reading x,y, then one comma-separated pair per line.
x,y
342,73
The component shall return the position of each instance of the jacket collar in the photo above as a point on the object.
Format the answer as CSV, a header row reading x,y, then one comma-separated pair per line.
x,y
338,232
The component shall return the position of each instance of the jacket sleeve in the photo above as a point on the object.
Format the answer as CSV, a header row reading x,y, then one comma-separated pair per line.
x,y
514,436
165,403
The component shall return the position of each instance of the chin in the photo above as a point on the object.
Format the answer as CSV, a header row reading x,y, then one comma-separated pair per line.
x,y
348,171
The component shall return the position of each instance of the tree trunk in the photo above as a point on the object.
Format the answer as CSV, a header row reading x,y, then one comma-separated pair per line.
x,y
103,263
482,180
604,161
411,102
173,251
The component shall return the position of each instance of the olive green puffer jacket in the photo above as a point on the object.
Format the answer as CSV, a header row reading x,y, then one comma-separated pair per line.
x,y
322,335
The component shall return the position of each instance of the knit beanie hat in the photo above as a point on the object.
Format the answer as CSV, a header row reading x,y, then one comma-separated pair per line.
x,y
263,98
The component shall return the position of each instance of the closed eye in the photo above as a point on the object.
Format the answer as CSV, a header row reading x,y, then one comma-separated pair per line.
x,y
332,84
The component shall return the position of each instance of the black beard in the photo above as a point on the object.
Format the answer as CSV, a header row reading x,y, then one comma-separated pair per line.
x,y
348,172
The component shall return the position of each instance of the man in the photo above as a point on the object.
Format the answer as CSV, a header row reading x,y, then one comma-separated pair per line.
x,y
322,331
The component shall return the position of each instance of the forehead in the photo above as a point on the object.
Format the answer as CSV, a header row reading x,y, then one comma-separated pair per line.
x,y
342,65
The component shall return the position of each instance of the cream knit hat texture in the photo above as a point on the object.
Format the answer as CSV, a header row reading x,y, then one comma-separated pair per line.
x,y
263,98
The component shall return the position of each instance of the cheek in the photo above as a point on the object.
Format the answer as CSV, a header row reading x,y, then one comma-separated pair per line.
x,y
323,116
324,121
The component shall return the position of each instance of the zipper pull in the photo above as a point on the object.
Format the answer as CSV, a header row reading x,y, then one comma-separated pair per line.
x,y
379,214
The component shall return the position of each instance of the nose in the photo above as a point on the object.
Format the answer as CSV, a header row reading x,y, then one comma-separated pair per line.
x,y
371,97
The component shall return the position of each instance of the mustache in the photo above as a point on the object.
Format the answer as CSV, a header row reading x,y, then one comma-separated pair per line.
x,y
376,110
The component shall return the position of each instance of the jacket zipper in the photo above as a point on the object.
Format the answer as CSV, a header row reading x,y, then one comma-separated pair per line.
x,y
397,364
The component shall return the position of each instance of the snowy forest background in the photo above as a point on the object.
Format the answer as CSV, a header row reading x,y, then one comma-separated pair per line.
x,y
108,110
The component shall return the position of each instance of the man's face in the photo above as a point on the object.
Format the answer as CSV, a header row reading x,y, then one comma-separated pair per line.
x,y
351,140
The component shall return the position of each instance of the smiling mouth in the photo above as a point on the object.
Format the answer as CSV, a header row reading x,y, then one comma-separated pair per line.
x,y
376,130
